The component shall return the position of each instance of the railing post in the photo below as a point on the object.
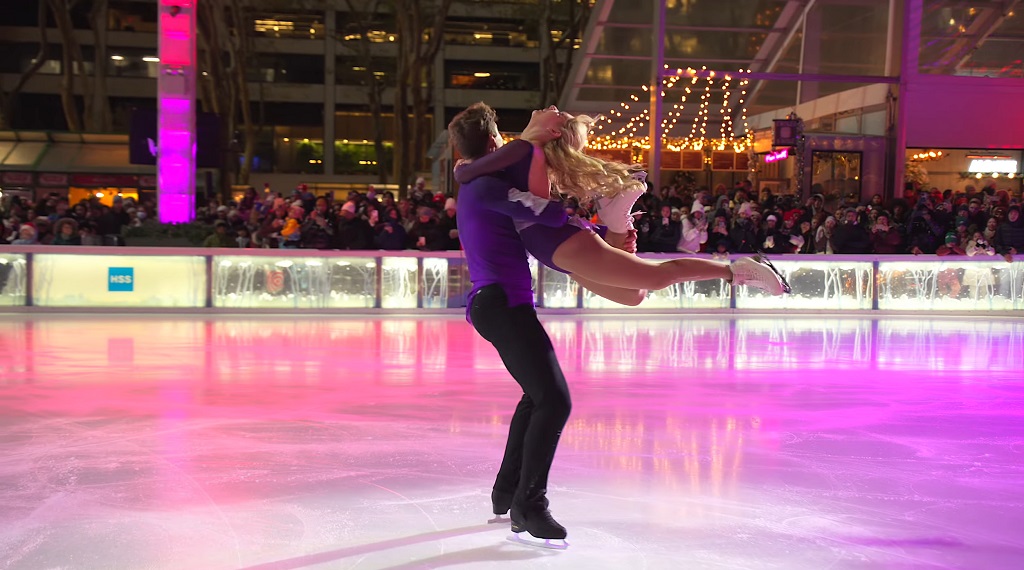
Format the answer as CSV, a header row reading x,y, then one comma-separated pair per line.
x,y
29,280
874,284
209,281
378,296
419,281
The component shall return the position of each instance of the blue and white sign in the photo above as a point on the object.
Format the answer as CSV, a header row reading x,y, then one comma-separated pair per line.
x,y
121,279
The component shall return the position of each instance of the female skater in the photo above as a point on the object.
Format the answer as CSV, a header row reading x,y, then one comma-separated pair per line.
x,y
576,248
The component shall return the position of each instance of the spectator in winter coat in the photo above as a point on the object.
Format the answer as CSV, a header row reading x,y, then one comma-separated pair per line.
x,y
851,236
886,238
449,225
426,234
695,230
353,231
1010,234
665,232
319,228
390,233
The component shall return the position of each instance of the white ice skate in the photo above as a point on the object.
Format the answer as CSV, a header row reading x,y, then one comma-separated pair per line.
x,y
615,212
758,272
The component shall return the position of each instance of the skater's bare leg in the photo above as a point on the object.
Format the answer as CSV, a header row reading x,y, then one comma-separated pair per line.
x,y
586,255
629,297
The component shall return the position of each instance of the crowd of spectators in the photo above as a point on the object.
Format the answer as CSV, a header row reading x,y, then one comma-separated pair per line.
x,y
972,222
53,221
422,220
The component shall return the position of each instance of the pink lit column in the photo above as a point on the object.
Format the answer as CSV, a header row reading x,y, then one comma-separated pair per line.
x,y
176,127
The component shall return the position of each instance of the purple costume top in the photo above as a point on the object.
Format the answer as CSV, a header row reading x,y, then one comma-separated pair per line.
x,y
489,206
540,239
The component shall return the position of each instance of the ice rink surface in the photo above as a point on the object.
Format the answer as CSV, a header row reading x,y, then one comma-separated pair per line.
x,y
223,442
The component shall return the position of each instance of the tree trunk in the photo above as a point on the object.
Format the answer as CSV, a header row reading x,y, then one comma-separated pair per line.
x,y
7,103
419,112
374,86
59,8
73,57
376,96
241,48
415,58
100,108
555,74
406,46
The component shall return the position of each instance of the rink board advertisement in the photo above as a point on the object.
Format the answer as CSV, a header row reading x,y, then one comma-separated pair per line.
x,y
118,281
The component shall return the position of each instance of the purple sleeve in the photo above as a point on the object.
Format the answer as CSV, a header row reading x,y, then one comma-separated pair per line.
x,y
499,196
505,157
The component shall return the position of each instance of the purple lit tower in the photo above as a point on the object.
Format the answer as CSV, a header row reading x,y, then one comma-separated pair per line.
x,y
176,127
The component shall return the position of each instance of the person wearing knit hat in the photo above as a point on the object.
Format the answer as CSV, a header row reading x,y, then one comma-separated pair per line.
x,y
771,239
823,236
26,235
745,210
695,230
449,225
354,232
426,233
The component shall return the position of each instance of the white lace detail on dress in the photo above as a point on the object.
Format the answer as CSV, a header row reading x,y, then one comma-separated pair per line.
x,y
531,201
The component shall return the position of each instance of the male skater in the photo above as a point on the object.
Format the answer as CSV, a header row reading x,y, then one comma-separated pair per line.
x,y
501,309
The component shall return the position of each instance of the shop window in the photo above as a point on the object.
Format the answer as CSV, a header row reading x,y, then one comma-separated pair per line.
x,y
291,26
837,175
493,75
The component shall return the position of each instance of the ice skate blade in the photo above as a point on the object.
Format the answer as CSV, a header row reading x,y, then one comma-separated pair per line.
x,y
530,540
761,257
499,519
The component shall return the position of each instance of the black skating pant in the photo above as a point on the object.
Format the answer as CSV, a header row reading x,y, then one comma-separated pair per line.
x,y
526,351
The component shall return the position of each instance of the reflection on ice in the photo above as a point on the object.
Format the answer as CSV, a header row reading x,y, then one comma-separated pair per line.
x,y
363,442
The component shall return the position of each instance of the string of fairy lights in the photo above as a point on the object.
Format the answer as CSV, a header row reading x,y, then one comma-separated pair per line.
x,y
635,123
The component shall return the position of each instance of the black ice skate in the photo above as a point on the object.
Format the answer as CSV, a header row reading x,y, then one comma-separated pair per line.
x,y
501,502
539,527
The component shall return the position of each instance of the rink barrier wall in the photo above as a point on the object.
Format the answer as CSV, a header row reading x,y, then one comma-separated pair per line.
x,y
126,278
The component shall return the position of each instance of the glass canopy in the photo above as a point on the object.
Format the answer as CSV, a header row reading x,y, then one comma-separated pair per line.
x,y
792,51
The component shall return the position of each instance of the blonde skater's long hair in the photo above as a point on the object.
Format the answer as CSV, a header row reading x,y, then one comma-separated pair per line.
x,y
573,173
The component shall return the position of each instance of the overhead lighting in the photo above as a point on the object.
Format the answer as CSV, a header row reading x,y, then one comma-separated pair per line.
x,y
151,59
117,57
481,74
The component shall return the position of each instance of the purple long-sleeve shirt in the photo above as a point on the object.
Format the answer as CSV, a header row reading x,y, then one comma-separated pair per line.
x,y
489,206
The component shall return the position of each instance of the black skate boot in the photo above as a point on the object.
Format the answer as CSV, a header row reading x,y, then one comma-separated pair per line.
x,y
501,502
540,527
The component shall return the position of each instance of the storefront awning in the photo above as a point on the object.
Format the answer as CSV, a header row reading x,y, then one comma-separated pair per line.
x,y
68,152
